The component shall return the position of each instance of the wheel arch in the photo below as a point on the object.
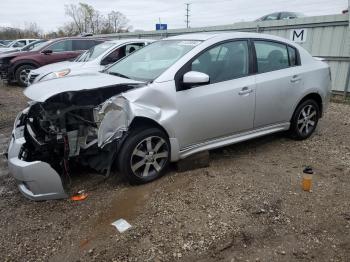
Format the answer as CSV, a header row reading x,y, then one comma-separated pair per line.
x,y
22,63
314,96
140,121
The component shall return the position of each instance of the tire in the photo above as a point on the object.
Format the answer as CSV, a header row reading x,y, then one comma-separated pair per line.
x,y
304,120
137,159
21,74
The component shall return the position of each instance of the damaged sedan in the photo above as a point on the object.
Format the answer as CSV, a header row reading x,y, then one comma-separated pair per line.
x,y
167,101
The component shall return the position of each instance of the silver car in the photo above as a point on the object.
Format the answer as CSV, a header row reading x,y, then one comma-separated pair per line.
x,y
95,59
165,102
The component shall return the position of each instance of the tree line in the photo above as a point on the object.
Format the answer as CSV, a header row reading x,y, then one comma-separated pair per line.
x,y
84,18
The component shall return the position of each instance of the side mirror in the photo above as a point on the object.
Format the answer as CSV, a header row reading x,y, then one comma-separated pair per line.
x,y
195,78
47,52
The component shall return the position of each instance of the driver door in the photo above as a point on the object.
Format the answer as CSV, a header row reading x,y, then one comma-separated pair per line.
x,y
223,107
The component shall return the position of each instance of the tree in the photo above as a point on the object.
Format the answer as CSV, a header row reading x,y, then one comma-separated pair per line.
x,y
117,22
87,19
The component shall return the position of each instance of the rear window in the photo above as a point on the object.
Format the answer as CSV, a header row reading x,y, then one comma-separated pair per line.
x,y
293,58
271,56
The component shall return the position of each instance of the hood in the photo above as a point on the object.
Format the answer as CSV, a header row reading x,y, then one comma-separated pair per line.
x,y
17,54
8,50
42,91
44,70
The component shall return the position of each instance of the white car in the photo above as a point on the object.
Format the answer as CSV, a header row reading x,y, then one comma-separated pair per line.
x,y
17,44
93,60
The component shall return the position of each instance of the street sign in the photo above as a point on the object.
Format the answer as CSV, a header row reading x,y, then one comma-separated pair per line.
x,y
161,27
298,35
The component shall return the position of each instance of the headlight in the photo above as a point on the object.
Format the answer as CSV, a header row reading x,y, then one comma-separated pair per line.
x,y
57,74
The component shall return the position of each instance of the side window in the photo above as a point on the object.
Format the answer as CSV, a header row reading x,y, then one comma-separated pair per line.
x,y
293,58
224,62
270,17
271,56
62,46
20,43
83,44
288,15
114,56
133,47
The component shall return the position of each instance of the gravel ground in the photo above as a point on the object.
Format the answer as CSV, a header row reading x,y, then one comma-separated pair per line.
x,y
247,206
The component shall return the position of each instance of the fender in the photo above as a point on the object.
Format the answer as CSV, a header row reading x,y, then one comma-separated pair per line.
x,y
15,63
116,116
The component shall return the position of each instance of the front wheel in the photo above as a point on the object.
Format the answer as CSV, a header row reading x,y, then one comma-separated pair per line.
x,y
144,155
22,73
304,120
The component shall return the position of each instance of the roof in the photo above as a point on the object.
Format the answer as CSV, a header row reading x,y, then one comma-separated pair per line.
x,y
122,41
229,35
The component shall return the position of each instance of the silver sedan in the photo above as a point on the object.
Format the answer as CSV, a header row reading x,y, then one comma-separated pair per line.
x,y
165,102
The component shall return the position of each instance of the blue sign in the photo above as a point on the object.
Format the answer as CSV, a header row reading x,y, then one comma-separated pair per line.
x,y
161,27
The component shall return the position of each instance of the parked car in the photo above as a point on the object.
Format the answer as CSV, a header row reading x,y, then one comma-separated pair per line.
x,y
5,42
280,16
93,60
14,67
25,48
17,44
165,102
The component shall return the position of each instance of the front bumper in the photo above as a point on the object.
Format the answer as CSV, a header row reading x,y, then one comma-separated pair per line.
x,y
36,180
4,73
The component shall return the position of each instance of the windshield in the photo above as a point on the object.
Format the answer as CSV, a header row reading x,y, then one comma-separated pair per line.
x,y
41,45
94,52
151,61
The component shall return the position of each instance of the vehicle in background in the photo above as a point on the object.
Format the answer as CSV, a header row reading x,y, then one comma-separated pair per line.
x,y
280,16
17,44
345,11
169,100
26,48
5,42
93,60
15,67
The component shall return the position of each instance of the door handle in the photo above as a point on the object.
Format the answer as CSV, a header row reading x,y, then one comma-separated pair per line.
x,y
245,90
295,78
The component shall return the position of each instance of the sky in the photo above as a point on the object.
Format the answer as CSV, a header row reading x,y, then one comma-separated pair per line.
x,y
144,14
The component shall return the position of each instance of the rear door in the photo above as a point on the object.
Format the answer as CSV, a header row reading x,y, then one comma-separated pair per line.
x,y
278,80
223,107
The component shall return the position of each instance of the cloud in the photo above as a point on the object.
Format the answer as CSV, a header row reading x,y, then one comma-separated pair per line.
x,y
144,14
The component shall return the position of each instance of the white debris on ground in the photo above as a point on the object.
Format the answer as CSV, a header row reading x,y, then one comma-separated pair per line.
x,y
121,225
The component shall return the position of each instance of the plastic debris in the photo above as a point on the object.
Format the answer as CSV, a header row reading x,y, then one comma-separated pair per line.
x,y
122,225
81,195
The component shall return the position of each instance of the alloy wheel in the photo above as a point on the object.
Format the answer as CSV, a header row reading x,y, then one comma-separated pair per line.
x,y
23,75
149,157
307,119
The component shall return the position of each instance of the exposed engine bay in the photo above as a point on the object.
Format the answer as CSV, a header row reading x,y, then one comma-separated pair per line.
x,y
73,127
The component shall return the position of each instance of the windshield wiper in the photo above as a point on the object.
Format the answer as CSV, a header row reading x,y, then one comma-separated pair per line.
x,y
117,74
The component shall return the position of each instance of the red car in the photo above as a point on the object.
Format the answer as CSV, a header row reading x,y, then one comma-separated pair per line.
x,y
14,67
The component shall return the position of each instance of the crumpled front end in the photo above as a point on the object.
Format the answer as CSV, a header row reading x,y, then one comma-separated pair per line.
x,y
37,180
72,127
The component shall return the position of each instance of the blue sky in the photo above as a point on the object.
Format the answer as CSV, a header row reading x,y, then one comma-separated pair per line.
x,y
143,14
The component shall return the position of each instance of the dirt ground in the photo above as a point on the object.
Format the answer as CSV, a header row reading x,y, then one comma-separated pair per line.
x,y
247,206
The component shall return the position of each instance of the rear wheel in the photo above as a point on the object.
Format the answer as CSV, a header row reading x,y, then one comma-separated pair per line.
x,y
144,156
305,120
22,73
